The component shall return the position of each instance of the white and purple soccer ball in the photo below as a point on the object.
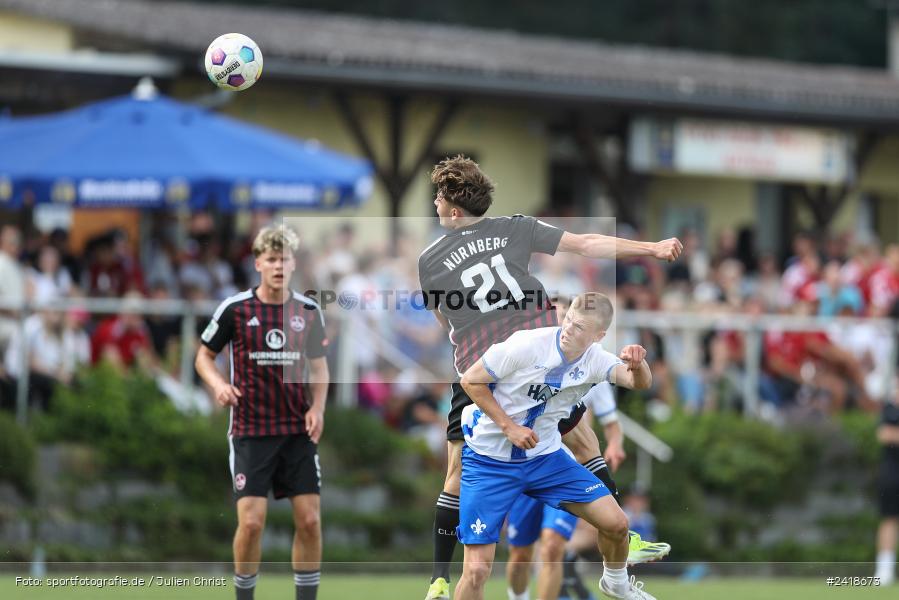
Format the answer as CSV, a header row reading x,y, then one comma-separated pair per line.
x,y
233,62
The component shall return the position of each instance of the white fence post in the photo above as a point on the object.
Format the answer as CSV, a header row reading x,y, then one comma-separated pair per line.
x,y
753,360
346,362
24,369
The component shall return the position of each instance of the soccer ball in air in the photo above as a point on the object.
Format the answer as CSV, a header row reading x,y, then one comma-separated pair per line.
x,y
233,62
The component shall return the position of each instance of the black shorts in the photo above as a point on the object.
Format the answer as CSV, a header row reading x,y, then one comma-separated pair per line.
x,y
888,484
461,400
286,464
571,421
454,420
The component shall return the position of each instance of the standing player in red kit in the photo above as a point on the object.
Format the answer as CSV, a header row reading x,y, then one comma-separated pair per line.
x,y
476,280
277,413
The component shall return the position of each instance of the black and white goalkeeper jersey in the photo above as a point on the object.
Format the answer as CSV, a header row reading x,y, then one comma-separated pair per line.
x,y
269,347
477,277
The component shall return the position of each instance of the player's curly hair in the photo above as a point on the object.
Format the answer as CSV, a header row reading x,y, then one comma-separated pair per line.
x,y
461,182
276,238
594,305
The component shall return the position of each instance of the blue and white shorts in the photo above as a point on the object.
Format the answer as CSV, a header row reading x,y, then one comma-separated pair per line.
x,y
490,487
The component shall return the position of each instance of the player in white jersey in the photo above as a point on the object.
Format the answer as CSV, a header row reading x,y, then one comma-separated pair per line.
x,y
521,388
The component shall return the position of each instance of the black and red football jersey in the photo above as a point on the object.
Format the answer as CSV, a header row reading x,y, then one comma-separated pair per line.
x,y
269,345
477,277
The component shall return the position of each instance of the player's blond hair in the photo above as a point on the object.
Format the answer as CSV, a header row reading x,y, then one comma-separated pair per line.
x,y
277,238
594,305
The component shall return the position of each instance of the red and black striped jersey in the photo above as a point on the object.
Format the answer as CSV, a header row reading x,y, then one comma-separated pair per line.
x,y
477,277
269,346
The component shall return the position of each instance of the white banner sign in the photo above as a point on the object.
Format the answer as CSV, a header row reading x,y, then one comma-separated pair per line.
x,y
741,149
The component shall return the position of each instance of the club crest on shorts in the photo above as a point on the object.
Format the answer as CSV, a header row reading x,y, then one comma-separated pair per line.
x,y
478,527
240,481
297,323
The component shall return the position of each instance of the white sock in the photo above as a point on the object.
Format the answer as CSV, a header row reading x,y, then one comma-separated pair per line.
x,y
522,596
616,579
886,563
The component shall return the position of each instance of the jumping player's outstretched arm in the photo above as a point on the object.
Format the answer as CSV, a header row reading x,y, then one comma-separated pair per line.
x,y
634,374
595,245
476,381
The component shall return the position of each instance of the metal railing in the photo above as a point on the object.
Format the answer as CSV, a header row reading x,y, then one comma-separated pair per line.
x,y
649,446
753,327
189,311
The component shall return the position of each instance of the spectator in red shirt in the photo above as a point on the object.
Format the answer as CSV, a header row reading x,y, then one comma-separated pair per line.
x,y
858,269
884,283
802,272
123,340
113,271
811,362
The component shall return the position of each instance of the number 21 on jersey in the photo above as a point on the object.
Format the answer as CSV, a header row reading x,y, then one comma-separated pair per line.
x,y
482,270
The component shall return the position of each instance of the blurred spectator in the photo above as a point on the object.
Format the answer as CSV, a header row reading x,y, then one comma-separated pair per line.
x,y
872,347
726,290
802,272
161,267
803,245
746,252
834,297
418,335
884,283
422,417
49,280
59,239
786,354
124,340
765,283
809,362
836,247
662,388
358,295
634,274
858,270
208,271
56,348
164,330
13,286
375,387
636,506
557,278
112,270
693,264
725,246
338,259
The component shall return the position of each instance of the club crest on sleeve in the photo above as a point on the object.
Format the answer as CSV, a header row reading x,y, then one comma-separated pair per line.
x,y
297,323
240,481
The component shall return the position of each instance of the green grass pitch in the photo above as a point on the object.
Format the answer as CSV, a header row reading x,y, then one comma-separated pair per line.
x,y
373,587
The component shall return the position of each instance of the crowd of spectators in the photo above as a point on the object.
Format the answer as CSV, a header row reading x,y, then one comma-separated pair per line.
x,y
402,359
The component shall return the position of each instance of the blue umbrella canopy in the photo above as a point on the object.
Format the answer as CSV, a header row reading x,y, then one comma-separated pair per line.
x,y
158,152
